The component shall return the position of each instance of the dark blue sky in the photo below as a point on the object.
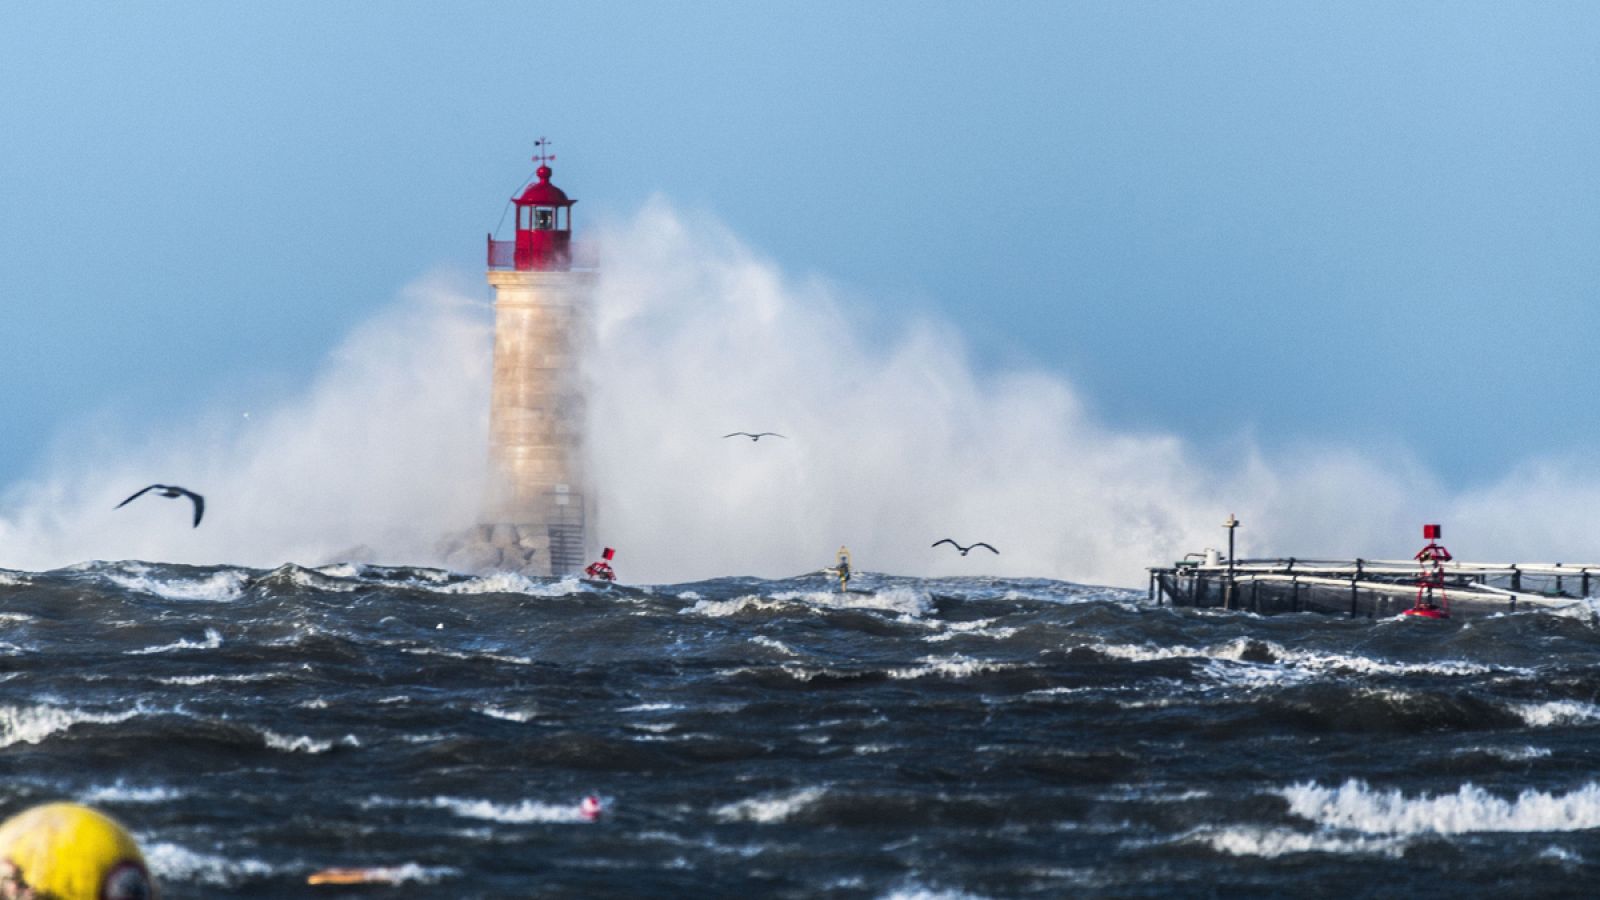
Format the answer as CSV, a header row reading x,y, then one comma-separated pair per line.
x,y
1369,224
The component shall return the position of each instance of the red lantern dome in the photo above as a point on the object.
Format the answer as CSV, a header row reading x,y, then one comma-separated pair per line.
x,y
544,226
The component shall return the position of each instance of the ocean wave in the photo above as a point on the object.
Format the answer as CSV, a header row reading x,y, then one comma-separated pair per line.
x,y
1507,754
173,862
905,601
304,744
241,678
212,641
977,628
512,583
35,724
460,654
121,792
1357,807
1557,712
1263,652
523,813
914,891
650,707
769,809
774,644
956,666
1270,843
509,715
410,872
221,585
722,608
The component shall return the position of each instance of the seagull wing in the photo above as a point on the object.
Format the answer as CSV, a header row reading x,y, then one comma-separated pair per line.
x,y
946,541
199,505
773,433
736,434
138,495
985,546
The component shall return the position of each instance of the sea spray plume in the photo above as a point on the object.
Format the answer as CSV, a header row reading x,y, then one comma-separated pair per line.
x,y
903,435
385,447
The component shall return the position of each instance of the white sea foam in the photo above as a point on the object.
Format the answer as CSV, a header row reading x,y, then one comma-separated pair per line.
x,y
1274,842
977,628
510,715
912,890
122,793
1356,806
221,585
213,640
304,744
1563,855
407,873
1509,754
525,812
512,583
905,601
723,608
35,724
173,862
457,654
239,678
773,644
653,727
769,809
1308,661
1557,712
650,707
956,666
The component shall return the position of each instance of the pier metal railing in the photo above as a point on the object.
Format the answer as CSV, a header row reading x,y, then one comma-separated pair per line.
x,y
1367,586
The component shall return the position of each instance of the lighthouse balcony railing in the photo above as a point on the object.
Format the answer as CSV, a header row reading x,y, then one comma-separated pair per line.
x,y
503,255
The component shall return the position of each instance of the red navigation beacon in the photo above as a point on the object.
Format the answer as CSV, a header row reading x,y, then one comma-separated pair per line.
x,y
1431,579
544,225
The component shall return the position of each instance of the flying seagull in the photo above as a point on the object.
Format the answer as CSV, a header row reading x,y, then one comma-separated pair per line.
x,y
753,437
965,550
172,490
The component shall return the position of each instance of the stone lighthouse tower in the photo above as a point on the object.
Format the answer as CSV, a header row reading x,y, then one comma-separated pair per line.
x,y
537,508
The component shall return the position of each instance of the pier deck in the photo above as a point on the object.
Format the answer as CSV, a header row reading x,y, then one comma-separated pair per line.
x,y
1369,587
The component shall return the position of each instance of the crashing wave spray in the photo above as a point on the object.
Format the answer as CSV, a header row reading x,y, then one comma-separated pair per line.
x,y
894,440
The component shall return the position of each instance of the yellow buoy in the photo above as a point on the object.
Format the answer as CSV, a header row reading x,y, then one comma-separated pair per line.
x,y
65,851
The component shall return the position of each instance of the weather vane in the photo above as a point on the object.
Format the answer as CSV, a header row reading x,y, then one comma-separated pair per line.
x,y
542,157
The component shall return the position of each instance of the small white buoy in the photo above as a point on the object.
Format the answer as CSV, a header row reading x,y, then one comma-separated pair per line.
x,y
439,626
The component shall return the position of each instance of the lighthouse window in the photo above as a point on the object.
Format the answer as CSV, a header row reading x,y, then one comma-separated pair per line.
x,y
544,218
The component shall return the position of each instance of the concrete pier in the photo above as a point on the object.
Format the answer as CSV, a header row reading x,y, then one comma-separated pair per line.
x,y
1370,588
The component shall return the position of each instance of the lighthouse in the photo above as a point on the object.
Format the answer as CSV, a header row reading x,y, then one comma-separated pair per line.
x,y
536,512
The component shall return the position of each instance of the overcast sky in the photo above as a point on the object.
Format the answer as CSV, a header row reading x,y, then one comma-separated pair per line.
x,y
1372,224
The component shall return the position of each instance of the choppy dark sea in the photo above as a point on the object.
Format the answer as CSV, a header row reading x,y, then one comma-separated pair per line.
x,y
923,738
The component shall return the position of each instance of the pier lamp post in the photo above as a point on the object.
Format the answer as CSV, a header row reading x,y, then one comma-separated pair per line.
x,y
1231,524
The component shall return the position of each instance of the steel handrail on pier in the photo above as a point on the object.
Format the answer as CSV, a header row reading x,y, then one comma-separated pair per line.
x,y
1507,585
